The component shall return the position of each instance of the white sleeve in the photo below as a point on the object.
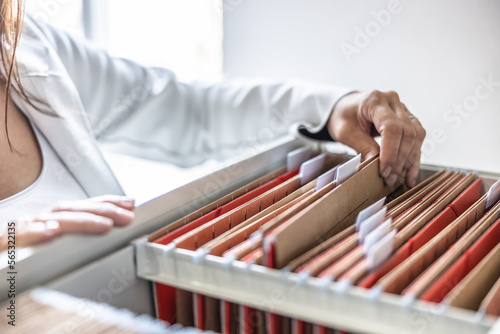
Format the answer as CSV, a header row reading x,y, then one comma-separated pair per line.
x,y
149,113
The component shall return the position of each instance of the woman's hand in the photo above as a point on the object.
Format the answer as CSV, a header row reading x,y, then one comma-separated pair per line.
x,y
358,117
90,216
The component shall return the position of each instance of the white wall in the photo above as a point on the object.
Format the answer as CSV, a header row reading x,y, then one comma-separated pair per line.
x,y
436,54
184,36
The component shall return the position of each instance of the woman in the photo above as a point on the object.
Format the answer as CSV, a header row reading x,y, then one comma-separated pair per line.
x,y
61,97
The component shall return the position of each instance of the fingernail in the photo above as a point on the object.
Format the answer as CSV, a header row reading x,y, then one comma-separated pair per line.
x,y
52,228
128,202
52,225
391,179
104,221
37,227
386,172
126,213
412,183
102,225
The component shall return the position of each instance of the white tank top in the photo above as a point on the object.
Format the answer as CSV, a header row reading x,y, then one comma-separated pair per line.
x,y
55,183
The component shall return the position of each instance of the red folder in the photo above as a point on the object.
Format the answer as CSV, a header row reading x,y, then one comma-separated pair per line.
x,y
200,311
468,197
227,316
168,238
166,295
464,265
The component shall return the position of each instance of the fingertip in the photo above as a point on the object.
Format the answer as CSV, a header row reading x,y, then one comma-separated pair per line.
x,y
391,179
386,171
101,225
125,217
127,203
412,176
41,232
411,182
52,227
121,201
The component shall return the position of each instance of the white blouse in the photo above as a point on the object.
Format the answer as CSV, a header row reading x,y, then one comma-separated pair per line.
x,y
55,183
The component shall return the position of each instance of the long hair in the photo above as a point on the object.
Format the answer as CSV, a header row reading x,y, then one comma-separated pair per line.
x,y
11,22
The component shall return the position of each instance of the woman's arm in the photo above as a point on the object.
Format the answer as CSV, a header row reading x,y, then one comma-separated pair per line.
x,y
147,112
152,114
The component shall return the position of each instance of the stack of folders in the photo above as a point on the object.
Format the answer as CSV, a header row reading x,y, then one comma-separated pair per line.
x,y
328,217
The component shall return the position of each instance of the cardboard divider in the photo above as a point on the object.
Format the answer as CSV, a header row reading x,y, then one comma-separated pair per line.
x,y
213,316
212,228
184,305
406,232
400,277
402,220
416,198
443,219
271,222
446,197
348,253
491,303
452,254
308,256
275,190
425,184
153,237
322,219
267,223
335,270
470,292
202,219
214,246
244,230
463,265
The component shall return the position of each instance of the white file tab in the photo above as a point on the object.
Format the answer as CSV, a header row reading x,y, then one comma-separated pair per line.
x,y
493,194
369,211
310,169
297,157
326,178
381,251
348,169
370,224
381,231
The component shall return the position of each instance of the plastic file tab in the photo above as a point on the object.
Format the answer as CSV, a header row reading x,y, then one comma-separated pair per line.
x,y
326,178
493,194
369,211
347,169
297,157
368,225
310,169
374,236
380,251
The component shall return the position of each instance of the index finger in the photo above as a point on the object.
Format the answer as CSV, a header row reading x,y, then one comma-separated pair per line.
x,y
389,126
121,201
78,222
